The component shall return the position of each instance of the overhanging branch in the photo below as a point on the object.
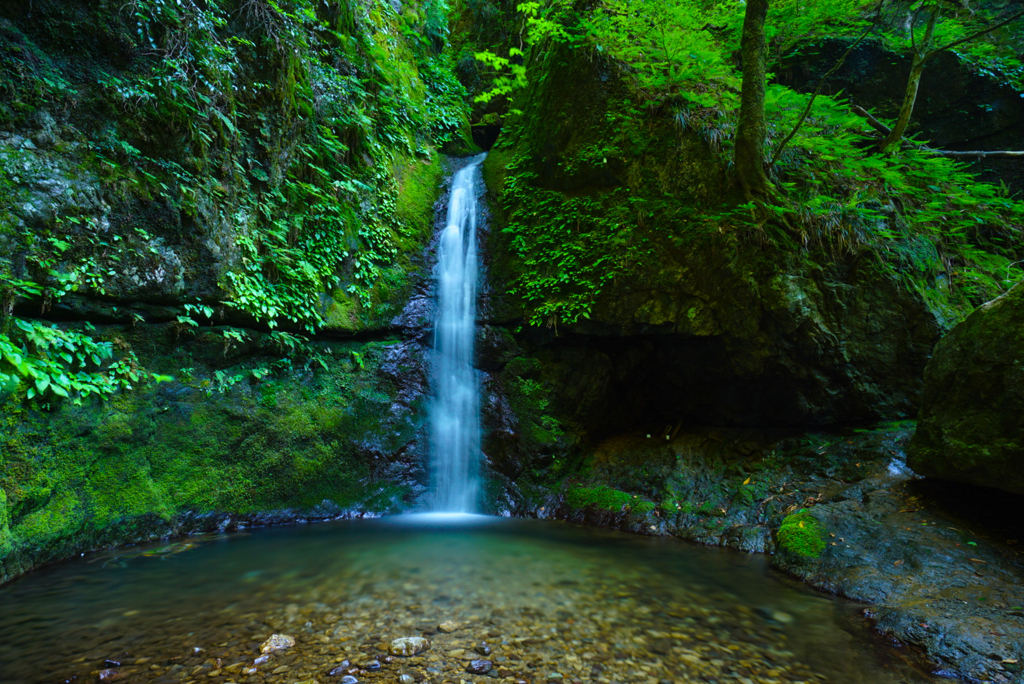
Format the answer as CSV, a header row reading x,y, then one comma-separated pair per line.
x,y
953,154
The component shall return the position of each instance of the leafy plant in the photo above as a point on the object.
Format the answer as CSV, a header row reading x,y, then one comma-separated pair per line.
x,y
52,362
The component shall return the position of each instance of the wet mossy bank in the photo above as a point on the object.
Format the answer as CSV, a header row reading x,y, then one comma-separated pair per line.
x,y
936,565
246,435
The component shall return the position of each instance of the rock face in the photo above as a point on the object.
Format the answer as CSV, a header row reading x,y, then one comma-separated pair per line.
x,y
972,417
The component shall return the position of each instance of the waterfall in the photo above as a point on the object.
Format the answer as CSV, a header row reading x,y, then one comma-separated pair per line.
x,y
455,409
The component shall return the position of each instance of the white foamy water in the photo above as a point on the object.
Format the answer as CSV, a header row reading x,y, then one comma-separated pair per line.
x,y
455,411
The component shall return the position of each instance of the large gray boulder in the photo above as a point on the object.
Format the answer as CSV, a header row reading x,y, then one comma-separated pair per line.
x,y
972,414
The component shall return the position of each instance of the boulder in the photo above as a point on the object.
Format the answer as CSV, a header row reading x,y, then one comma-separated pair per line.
x,y
972,413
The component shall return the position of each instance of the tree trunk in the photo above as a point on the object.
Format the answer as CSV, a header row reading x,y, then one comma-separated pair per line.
x,y
751,130
921,55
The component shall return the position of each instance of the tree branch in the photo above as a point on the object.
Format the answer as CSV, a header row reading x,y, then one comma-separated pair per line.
x,y
971,37
953,154
872,121
979,154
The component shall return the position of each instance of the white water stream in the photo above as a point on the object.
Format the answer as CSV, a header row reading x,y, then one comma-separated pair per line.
x,y
455,411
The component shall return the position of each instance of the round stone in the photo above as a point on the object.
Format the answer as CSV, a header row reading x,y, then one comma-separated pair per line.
x,y
277,642
408,646
479,666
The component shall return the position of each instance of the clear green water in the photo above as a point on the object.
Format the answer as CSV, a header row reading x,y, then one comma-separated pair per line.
x,y
549,599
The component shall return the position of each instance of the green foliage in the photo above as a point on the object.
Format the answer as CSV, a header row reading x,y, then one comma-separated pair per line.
x,y
927,216
543,23
279,119
569,247
802,535
446,103
926,213
28,77
668,48
52,362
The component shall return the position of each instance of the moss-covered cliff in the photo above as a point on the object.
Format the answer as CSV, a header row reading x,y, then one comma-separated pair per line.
x,y
247,435
199,204
648,300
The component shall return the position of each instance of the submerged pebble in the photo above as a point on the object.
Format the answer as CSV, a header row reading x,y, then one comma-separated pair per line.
x,y
340,669
479,666
408,646
277,642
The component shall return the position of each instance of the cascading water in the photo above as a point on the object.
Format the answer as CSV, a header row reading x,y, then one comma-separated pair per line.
x,y
455,412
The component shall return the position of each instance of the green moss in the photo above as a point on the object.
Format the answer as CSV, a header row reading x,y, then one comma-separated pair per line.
x,y
5,524
802,535
606,498
419,186
495,170
643,507
79,477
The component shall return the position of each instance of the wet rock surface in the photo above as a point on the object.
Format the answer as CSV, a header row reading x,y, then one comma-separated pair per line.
x,y
479,666
940,564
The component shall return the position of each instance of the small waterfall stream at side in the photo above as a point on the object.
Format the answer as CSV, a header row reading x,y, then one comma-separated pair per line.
x,y
455,407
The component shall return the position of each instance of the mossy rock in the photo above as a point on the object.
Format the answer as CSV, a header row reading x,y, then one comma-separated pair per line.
x,y
606,498
231,440
5,520
971,425
802,536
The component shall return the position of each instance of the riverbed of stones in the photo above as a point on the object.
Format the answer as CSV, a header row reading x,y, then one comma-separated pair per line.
x,y
698,645
578,624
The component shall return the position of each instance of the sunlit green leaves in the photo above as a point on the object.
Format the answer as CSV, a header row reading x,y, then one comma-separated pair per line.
x,y
669,47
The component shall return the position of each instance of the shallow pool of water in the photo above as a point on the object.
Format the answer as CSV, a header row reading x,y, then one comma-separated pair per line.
x,y
553,602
